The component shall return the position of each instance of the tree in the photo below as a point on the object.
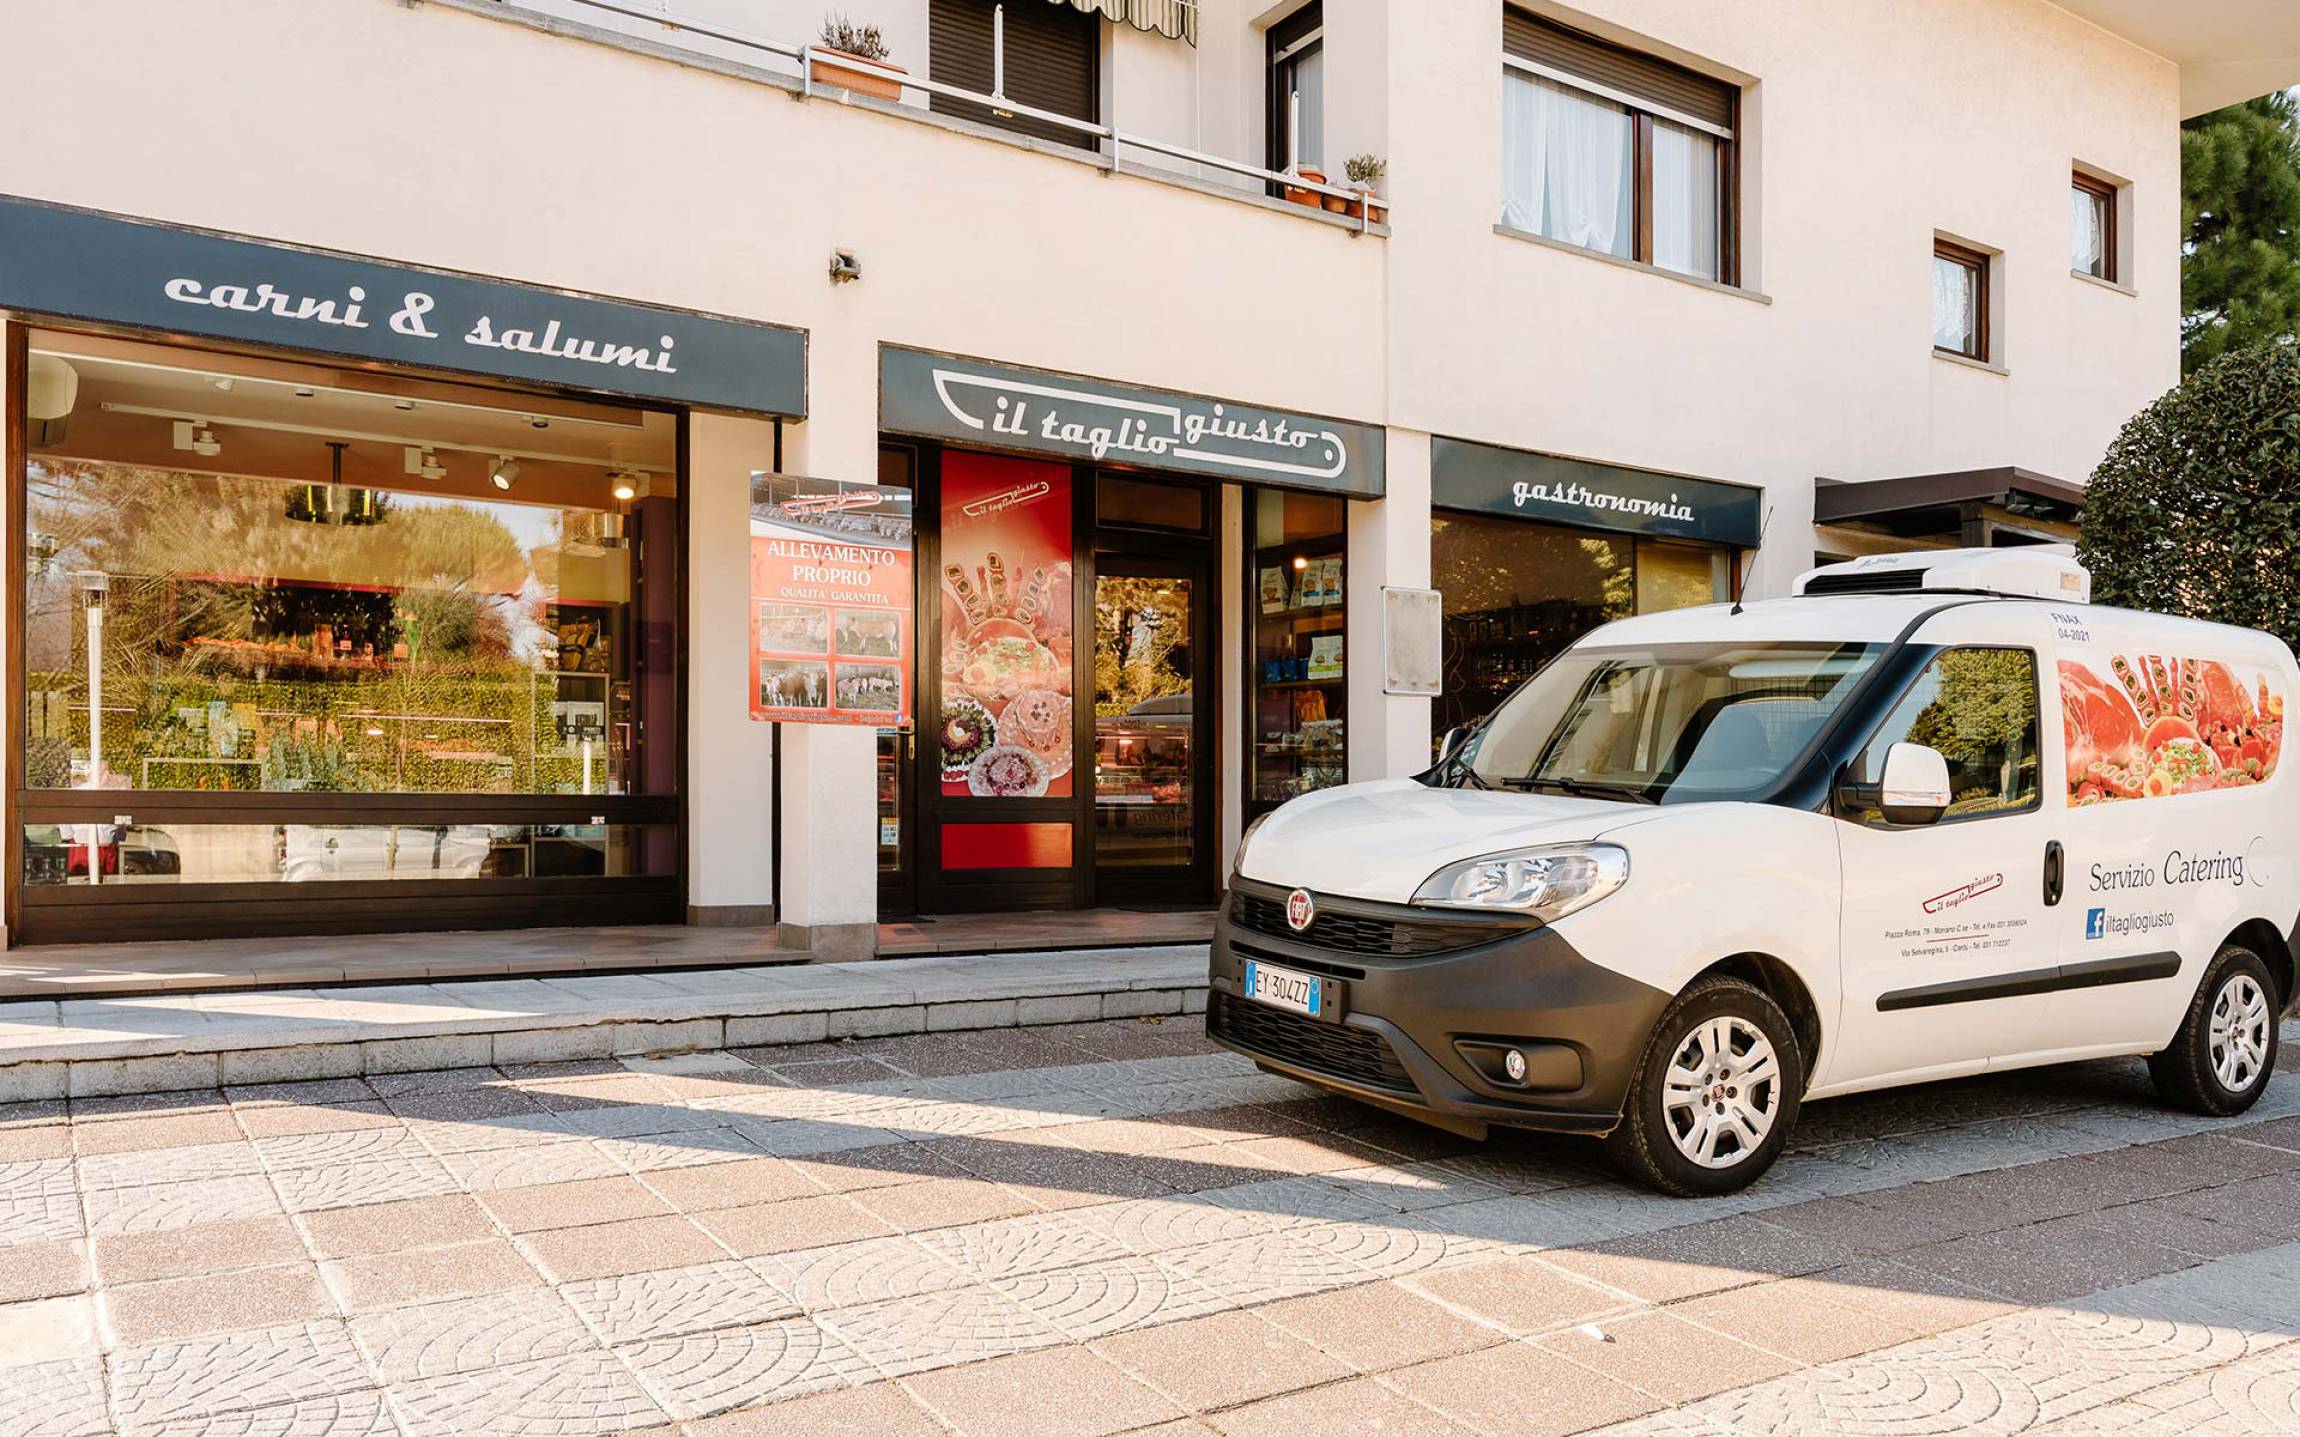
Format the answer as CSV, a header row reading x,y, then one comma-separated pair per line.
x,y
2240,225
2195,510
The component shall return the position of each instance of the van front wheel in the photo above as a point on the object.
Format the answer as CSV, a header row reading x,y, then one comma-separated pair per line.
x,y
1714,1096
2220,1059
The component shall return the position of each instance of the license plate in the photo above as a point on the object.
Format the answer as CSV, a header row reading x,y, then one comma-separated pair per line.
x,y
1284,988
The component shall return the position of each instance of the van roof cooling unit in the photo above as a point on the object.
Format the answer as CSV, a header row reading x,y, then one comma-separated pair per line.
x,y
2042,571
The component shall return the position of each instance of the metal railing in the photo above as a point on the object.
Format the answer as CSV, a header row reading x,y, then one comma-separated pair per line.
x,y
999,104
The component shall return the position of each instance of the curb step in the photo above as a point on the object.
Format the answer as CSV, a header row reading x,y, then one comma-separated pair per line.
x,y
83,1048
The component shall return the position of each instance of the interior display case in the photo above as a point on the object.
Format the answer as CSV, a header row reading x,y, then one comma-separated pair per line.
x,y
1298,679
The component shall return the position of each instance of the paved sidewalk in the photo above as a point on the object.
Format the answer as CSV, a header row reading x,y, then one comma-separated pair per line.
x,y
1109,1227
91,1047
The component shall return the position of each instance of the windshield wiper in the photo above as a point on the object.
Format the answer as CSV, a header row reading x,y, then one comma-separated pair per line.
x,y
1581,788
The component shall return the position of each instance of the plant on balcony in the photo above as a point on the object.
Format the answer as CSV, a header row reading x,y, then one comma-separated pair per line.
x,y
1301,194
1364,173
843,39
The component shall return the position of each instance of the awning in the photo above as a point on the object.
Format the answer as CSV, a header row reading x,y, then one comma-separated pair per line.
x,y
1946,503
1174,19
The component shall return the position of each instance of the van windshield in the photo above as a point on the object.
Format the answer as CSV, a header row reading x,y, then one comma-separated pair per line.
x,y
1668,723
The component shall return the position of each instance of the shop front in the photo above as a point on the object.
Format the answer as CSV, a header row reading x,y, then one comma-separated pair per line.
x,y
1117,587
1531,551
344,596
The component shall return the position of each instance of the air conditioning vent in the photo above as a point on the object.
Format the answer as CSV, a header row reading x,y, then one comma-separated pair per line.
x,y
2041,571
1883,581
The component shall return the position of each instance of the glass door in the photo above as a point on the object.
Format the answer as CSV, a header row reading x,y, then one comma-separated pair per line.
x,y
1152,721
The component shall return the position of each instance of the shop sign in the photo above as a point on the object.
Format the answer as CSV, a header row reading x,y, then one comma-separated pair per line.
x,y
1489,479
85,265
1003,406
832,636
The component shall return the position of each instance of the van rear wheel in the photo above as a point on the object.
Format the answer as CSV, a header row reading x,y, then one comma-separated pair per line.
x,y
1715,1095
2220,1060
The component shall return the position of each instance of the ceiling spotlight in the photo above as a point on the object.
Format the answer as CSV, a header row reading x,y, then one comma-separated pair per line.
x,y
537,421
403,404
505,473
626,486
305,393
424,460
196,437
222,382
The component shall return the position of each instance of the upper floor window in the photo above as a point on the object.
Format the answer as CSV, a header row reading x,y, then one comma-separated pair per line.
x,y
1616,151
1047,57
2092,226
1298,90
1960,300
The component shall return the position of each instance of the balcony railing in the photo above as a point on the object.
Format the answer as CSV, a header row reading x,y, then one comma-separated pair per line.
x,y
1111,143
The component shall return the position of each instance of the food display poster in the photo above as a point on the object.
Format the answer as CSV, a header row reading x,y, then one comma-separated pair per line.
x,y
1005,726
832,636
2153,725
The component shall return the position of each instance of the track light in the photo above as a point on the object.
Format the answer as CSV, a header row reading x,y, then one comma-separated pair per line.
x,y
505,473
196,437
424,460
628,486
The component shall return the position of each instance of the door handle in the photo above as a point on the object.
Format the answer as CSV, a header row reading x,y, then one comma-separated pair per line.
x,y
2054,872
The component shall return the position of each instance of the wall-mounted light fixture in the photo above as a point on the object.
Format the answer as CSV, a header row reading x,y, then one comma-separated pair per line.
x,y
505,473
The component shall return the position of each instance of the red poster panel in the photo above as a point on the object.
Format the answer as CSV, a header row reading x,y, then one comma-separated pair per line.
x,y
1005,845
1005,728
831,611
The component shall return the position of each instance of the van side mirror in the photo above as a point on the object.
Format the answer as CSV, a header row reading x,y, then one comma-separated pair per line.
x,y
1914,788
1454,739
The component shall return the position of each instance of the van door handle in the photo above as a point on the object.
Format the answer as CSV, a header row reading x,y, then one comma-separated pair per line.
x,y
2054,867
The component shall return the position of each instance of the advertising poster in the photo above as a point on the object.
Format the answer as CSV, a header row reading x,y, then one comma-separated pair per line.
x,y
831,611
1005,728
2149,726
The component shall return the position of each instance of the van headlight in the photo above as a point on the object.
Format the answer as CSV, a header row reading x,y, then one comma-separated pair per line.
x,y
1545,882
1238,863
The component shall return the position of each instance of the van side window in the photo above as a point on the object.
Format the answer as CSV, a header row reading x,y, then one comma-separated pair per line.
x,y
1978,707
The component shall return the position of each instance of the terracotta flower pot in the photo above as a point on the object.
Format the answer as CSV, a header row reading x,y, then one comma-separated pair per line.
x,y
1339,204
1377,209
828,71
1303,196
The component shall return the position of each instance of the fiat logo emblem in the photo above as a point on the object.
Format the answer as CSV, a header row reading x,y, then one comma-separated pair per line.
x,y
1301,909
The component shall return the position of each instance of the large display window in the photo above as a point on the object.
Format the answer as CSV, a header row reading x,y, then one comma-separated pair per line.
x,y
284,622
1297,740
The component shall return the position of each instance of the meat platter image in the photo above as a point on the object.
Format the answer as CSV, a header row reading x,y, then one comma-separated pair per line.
x,y
2154,726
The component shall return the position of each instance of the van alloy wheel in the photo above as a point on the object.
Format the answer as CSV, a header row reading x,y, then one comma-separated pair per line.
x,y
1722,1092
2240,1020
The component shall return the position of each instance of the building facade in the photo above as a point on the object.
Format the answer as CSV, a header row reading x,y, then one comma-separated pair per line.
x,y
387,380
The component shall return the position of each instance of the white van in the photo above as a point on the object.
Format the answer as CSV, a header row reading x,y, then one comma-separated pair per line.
x,y
1936,814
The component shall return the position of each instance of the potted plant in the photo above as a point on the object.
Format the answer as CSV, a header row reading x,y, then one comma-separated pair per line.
x,y
1365,172
1302,196
842,39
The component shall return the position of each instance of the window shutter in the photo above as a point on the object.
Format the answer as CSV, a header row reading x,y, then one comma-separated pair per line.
x,y
1052,55
1641,77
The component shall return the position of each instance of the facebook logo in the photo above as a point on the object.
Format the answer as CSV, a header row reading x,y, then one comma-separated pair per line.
x,y
2096,923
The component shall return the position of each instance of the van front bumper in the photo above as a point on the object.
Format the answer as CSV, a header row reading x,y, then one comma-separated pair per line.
x,y
1426,1003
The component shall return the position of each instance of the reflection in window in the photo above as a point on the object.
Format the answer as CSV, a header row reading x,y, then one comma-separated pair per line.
x,y
1978,707
109,854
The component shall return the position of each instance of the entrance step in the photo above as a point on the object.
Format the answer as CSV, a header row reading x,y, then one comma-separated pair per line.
x,y
93,1047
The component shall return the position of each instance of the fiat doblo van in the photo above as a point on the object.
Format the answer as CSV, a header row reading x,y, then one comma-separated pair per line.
x,y
1934,815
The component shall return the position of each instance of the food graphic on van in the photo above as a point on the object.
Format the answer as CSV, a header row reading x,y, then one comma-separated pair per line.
x,y
2165,726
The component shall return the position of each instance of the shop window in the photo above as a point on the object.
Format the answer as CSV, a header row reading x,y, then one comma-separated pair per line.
x,y
1518,594
1616,151
1979,708
1298,681
246,577
1124,503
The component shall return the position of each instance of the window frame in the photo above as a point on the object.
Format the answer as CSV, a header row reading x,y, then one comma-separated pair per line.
x,y
1283,42
1859,763
1978,261
2104,191
1642,114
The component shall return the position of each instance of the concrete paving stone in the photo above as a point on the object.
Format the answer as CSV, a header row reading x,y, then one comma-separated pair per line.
x,y
303,1062
137,1135
1812,1330
1262,1268
700,1374
663,1037
179,1204
63,1398
1522,1295
1062,1008
430,1274
353,1184
1665,1357
517,1130
963,1016
233,1373
941,1203
823,1068
791,1224
2169,1222
425,1055
531,1165
1323,1153
1109,1296
875,1166
1520,1388
744,1182
1063,1392
1677,1263
580,1392
343,1414
32,1270
803,1137
30,1144
99,1077
2046,1261
529,1076
465,1105
1221,1360
878,1409
23,1082
776,1029
40,1217
1412,1187
876,1021
852,1274
1144,1002
938,1329
1164,1224
440,1339
192,1251
36,1177
673,1302
1359,1405
1380,1325
2269,1206
232,1159
994,1250
614,1249
552,1045
1912,1298
48,1329
571,1204
333,1149
281,1120
366,1229
149,1313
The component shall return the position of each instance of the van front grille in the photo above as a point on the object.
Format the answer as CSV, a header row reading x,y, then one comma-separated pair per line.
x,y
1329,1048
1363,933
